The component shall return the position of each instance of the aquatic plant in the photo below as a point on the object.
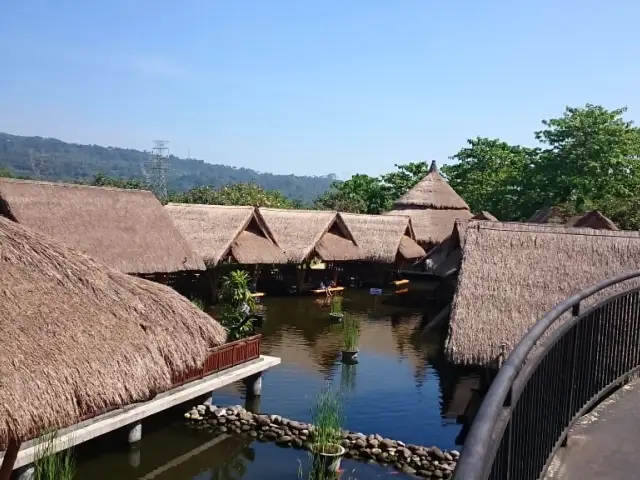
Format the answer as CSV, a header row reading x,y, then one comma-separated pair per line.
x,y
52,465
336,304
327,416
238,305
350,333
197,303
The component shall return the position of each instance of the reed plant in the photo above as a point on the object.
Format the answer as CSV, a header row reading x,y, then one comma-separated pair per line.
x,y
350,333
336,304
52,465
327,417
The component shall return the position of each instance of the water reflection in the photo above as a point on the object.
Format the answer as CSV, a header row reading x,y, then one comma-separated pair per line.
x,y
400,388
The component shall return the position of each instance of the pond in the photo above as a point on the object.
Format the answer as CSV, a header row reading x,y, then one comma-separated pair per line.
x,y
400,389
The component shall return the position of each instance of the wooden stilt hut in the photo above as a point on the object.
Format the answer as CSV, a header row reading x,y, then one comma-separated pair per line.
x,y
79,338
388,245
311,236
227,237
513,273
433,207
127,230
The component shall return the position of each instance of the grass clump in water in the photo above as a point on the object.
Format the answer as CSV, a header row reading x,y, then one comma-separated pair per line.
x,y
327,417
350,333
336,305
52,465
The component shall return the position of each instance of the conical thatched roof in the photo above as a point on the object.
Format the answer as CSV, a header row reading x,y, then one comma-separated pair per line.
x,y
217,232
125,229
78,337
433,207
592,219
301,233
513,273
382,237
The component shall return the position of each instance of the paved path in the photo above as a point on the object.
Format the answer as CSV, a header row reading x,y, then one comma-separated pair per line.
x,y
606,443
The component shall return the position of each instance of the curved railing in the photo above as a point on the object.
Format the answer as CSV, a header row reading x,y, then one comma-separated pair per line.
x,y
541,390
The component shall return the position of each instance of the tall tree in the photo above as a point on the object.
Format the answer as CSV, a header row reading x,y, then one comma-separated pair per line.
x,y
404,178
360,194
494,176
591,158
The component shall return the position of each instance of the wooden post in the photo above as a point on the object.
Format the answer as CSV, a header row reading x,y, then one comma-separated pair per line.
x,y
335,275
9,459
256,274
300,276
213,275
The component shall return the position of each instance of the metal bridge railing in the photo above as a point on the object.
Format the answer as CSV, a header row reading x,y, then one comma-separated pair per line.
x,y
541,390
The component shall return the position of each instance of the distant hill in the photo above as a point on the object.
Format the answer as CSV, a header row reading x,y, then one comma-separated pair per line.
x,y
52,159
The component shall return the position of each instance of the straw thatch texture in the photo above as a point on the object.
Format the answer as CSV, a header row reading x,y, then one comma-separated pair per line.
x,y
592,219
300,233
432,226
483,215
548,215
78,337
219,231
381,237
128,230
432,191
513,273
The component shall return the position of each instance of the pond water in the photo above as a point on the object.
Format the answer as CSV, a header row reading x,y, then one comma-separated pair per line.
x,y
400,389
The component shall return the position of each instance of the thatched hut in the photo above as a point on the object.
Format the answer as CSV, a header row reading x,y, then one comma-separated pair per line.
x,y
387,239
593,219
128,230
444,259
306,236
554,215
221,233
79,338
513,273
433,207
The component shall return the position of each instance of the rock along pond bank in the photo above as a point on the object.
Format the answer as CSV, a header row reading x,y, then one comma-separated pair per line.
x,y
427,462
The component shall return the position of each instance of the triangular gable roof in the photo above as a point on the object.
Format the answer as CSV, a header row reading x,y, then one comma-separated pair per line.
x,y
592,219
301,232
128,230
433,191
219,231
380,237
484,215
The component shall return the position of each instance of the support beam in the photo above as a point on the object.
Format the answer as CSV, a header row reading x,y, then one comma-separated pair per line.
x,y
254,385
9,459
134,434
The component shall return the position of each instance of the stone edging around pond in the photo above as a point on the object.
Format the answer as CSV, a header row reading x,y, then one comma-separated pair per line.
x,y
427,462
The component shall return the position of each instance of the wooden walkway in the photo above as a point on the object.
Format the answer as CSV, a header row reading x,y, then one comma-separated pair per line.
x,y
605,443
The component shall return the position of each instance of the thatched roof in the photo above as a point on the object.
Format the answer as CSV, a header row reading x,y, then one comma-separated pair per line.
x,y
444,259
548,215
382,237
78,337
513,273
592,219
218,232
433,207
483,215
303,233
128,230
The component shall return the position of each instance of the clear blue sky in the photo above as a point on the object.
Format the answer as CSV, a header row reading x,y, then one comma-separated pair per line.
x,y
310,87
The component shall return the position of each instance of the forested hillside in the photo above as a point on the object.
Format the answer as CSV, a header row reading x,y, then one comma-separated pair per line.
x,y
52,159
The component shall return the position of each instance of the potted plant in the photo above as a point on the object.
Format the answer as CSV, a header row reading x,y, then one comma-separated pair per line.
x,y
327,417
350,335
336,308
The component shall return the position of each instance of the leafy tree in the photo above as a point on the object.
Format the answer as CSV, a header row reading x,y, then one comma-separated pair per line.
x,y
237,194
5,173
359,194
102,180
494,176
591,158
403,179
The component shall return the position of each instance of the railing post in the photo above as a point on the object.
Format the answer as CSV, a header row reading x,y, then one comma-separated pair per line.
x,y
575,312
